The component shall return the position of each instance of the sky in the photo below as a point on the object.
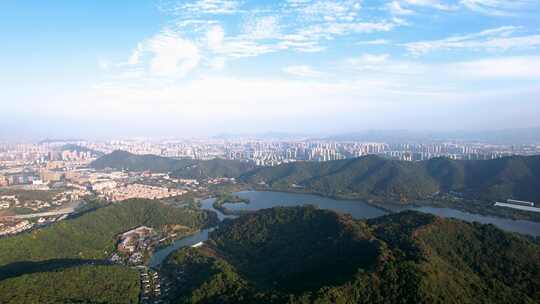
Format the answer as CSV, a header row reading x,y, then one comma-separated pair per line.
x,y
97,69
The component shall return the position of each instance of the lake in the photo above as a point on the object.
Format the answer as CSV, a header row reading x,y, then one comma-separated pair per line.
x,y
358,209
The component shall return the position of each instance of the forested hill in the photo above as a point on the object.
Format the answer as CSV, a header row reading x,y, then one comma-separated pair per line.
x,y
123,160
65,262
93,235
181,168
515,177
306,255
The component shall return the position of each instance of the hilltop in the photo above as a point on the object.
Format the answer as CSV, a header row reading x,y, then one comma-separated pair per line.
x,y
181,168
306,255
515,177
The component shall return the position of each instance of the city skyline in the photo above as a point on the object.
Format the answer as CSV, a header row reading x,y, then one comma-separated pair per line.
x,y
200,68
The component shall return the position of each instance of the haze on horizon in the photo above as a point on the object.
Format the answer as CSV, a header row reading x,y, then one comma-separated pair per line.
x,y
194,68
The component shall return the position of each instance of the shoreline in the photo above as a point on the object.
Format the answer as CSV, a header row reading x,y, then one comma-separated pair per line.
x,y
393,207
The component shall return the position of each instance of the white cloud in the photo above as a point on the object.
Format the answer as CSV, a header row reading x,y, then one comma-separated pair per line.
x,y
300,45
298,25
437,4
412,73
396,8
368,61
238,48
214,37
497,39
265,27
525,67
200,7
405,7
326,10
217,63
312,36
135,55
173,56
498,7
234,47
358,27
374,42
302,71
166,54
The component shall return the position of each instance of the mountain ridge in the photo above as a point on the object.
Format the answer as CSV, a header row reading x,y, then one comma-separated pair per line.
x,y
309,255
180,168
515,177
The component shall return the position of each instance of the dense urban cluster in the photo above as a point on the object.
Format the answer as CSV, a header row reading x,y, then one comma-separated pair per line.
x,y
45,182
275,152
261,152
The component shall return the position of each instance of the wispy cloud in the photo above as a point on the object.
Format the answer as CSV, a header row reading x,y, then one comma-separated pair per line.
x,y
396,8
198,33
499,7
197,40
374,42
202,7
524,67
368,59
408,7
437,4
496,39
262,27
486,7
414,71
302,71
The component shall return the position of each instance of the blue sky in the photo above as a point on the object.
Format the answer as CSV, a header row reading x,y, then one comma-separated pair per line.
x,y
190,68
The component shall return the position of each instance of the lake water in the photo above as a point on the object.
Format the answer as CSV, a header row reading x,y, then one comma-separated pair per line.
x,y
524,227
360,210
161,254
264,199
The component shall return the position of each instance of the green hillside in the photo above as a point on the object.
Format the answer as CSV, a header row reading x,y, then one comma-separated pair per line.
x,y
515,177
181,168
213,168
84,284
123,160
305,255
371,176
64,263
92,235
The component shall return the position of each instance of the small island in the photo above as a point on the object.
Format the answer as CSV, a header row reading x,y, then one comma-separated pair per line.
x,y
228,197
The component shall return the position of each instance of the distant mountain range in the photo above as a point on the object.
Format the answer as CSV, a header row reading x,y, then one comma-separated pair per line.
x,y
307,255
181,168
515,177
